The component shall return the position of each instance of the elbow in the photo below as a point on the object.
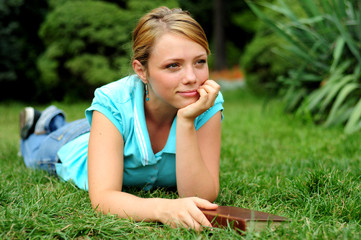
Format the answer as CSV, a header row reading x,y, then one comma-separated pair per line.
x,y
95,202
213,196
213,192
209,194
98,201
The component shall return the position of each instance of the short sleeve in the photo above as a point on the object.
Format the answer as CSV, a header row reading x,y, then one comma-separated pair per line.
x,y
104,103
204,117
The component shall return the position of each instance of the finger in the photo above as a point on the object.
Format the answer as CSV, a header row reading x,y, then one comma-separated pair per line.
x,y
200,218
213,84
203,96
203,203
211,95
211,90
197,213
190,222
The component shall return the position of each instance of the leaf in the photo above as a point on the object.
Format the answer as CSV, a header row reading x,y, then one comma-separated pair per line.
x,y
353,124
348,39
284,10
344,93
334,90
316,97
339,46
277,29
340,116
310,8
293,98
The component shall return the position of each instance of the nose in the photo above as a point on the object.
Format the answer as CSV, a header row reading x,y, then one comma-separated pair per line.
x,y
190,75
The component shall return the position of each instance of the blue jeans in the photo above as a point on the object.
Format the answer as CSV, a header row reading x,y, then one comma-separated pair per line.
x,y
40,151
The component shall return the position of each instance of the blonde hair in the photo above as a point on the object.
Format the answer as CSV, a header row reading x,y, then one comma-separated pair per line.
x,y
160,21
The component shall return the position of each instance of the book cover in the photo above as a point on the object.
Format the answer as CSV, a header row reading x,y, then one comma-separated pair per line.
x,y
242,218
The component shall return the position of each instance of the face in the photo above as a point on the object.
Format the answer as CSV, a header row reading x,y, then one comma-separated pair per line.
x,y
177,67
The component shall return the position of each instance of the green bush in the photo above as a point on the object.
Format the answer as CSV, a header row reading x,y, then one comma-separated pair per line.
x,y
87,46
261,60
261,63
323,46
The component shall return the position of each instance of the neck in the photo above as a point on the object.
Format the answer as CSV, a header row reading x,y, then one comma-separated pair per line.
x,y
158,114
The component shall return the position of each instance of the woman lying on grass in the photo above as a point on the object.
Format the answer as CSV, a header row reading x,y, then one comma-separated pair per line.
x,y
158,128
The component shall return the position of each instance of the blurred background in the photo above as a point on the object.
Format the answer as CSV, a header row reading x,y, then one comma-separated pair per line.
x,y
64,49
306,52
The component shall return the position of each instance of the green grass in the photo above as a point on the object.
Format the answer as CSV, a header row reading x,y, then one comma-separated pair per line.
x,y
270,162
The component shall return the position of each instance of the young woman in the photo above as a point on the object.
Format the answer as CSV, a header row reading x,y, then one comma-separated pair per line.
x,y
158,128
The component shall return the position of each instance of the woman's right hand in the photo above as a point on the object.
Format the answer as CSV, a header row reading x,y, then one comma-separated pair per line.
x,y
185,212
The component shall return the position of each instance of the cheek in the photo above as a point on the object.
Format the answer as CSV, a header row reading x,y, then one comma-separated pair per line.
x,y
203,76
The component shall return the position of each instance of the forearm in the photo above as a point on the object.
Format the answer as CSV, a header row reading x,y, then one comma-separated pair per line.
x,y
174,212
193,176
126,205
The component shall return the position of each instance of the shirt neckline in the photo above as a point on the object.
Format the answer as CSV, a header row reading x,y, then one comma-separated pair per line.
x,y
149,157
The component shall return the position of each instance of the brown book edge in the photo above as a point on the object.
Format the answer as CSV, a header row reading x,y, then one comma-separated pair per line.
x,y
242,218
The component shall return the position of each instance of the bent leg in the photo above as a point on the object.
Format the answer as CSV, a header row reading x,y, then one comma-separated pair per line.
x,y
31,143
29,148
50,120
47,153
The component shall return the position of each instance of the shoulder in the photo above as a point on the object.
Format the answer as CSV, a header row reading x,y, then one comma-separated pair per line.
x,y
116,101
119,91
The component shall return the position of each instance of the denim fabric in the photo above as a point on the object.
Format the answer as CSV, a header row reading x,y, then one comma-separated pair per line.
x,y
50,120
40,151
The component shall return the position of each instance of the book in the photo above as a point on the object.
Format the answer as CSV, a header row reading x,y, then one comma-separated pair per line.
x,y
242,218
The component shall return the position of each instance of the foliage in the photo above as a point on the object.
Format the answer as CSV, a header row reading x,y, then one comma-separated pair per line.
x,y
19,47
324,46
139,7
88,44
261,63
261,60
236,16
56,71
86,41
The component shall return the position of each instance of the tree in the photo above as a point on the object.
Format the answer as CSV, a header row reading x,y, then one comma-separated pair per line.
x,y
220,61
86,46
19,47
236,27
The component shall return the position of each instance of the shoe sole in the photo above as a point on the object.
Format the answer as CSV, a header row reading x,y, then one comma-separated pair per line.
x,y
26,121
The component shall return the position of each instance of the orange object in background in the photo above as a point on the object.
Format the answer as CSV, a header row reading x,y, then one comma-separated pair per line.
x,y
233,74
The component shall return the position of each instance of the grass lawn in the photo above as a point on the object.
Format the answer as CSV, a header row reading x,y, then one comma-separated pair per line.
x,y
269,162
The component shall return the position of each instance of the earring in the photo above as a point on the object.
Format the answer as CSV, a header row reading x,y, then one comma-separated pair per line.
x,y
146,92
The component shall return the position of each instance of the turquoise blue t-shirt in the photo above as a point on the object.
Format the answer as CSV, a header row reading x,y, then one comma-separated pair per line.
x,y
122,102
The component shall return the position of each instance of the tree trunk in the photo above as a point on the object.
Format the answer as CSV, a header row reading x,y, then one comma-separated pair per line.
x,y
219,38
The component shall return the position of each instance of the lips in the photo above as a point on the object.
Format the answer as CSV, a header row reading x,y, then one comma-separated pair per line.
x,y
190,93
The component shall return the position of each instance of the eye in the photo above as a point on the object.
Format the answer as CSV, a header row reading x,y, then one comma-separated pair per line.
x,y
172,66
201,62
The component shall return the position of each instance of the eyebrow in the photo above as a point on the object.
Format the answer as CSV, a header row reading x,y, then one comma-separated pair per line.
x,y
178,59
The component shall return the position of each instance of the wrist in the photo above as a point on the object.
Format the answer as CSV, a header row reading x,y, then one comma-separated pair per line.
x,y
158,210
185,119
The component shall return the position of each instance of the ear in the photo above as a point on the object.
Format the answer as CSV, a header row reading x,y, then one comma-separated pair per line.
x,y
140,70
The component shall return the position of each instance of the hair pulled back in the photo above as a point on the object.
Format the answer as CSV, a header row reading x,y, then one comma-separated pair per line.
x,y
160,21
